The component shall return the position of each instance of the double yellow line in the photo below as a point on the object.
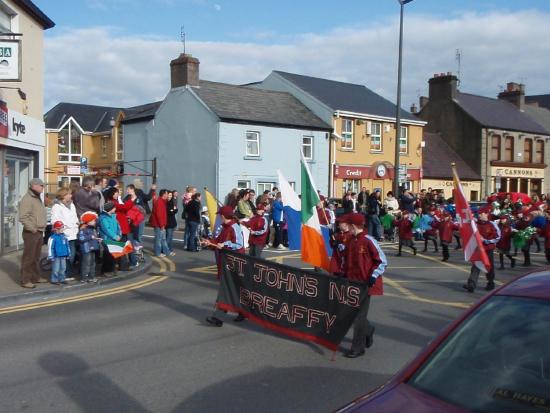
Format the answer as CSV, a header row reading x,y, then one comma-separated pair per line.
x,y
164,265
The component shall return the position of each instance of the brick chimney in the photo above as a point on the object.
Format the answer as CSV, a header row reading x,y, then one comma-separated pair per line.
x,y
515,94
423,101
184,70
443,86
413,109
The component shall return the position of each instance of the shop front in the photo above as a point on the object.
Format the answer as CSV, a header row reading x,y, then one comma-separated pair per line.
x,y
377,176
471,189
517,179
22,157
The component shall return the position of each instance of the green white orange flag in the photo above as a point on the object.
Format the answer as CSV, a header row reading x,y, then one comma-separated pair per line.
x,y
118,249
313,244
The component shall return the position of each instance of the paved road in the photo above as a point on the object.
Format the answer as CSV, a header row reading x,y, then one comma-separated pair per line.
x,y
146,348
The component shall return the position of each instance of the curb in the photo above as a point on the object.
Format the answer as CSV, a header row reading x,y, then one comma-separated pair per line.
x,y
58,290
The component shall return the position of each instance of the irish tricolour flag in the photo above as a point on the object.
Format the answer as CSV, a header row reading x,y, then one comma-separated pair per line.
x,y
118,249
313,244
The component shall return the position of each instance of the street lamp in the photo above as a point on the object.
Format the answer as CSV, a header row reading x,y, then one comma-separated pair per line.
x,y
398,109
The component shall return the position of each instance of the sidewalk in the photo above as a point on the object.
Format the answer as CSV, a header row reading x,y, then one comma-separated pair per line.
x,y
12,292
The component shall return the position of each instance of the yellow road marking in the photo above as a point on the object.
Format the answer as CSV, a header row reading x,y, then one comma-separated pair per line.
x,y
24,307
409,295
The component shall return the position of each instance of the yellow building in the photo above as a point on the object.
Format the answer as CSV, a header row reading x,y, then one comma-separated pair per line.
x,y
362,147
81,140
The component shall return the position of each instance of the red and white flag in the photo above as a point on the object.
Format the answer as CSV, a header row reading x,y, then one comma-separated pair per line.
x,y
471,240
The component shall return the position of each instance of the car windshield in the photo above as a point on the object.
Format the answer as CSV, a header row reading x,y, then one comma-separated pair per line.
x,y
496,361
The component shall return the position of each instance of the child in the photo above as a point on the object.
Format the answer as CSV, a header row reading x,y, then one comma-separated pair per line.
x,y
405,225
504,244
258,231
109,230
387,219
89,244
338,243
446,227
58,252
428,222
205,231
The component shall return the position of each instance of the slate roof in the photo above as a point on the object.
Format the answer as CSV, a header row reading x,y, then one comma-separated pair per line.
x,y
36,13
90,117
497,113
542,100
251,105
346,96
141,112
540,115
437,157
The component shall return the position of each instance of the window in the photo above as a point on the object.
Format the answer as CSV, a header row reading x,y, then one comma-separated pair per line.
x,y
66,181
243,184
5,21
509,149
376,137
264,186
352,185
347,134
120,143
495,148
104,146
404,140
539,152
528,150
252,143
69,144
307,147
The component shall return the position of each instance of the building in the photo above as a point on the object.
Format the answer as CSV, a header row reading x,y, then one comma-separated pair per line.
x,y
81,140
495,137
362,148
22,138
222,136
437,158
542,101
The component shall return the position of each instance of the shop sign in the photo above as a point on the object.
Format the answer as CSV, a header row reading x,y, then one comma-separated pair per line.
x,y
351,172
514,172
23,128
10,60
3,119
73,169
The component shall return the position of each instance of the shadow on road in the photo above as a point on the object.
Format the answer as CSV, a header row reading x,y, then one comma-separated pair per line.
x,y
91,391
295,389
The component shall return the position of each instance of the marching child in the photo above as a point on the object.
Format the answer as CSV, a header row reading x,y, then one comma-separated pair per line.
x,y
58,252
446,228
258,227
89,244
404,223
428,224
505,243
338,243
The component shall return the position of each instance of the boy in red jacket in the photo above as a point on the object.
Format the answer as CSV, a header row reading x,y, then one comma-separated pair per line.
x,y
504,245
446,228
258,231
404,225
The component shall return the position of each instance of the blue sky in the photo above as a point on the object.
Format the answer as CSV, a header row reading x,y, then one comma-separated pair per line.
x,y
129,44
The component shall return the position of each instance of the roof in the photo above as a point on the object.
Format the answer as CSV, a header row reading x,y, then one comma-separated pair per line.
x,y
533,285
90,117
346,96
37,14
542,100
141,112
251,105
497,113
540,115
437,149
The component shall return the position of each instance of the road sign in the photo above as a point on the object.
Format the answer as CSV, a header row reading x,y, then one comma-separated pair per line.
x,y
402,174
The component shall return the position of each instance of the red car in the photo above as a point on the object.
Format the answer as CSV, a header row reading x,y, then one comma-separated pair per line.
x,y
495,358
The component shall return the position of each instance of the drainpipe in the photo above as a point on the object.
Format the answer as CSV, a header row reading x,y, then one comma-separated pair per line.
x,y
333,157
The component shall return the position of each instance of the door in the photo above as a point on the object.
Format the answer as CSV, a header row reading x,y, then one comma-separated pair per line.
x,y
17,174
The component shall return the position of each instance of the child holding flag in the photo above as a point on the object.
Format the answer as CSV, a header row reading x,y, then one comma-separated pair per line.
x,y
109,231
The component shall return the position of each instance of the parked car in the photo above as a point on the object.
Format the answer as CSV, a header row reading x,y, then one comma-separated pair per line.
x,y
495,358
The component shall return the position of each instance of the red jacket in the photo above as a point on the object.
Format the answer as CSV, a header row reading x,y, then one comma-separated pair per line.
x,y
259,230
364,259
446,230
404,226
122,215
490,234
231,235
159,215
505,242
341,240
323,216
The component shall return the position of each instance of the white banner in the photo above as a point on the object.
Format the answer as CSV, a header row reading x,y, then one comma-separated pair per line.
x,y
10,60
25,129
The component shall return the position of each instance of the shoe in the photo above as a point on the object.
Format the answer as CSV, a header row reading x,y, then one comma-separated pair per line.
x,y
527,264
414,251
92,281
163,255
65,282
424,250
216,322
55,282
239,318
445,259
28,285
354,354
490,286
281,247
172,254
513,263
370,339
469,287
398,254
108,274
83,281
436,250
41,280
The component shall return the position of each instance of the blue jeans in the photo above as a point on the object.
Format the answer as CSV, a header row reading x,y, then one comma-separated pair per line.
x,y
170,238
87,266
131,256
70,267
190,240
139,233
160,242
59,266
374,227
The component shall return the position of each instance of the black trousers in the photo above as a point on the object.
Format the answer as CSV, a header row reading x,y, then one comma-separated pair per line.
x,y
361,327
255,250
474,272
445,249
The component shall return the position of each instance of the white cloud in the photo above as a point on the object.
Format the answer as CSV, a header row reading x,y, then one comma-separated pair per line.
x,y
102,66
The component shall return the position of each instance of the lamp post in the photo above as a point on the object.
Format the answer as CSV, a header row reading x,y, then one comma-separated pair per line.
x,y
398,108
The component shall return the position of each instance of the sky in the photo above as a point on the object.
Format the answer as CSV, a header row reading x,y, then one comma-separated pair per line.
x,y
117,52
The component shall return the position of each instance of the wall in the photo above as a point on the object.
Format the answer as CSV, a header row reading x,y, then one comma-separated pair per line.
x,y
280,148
